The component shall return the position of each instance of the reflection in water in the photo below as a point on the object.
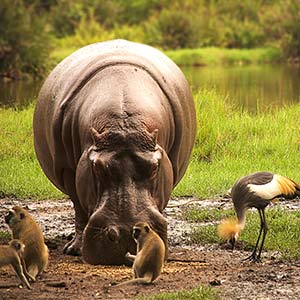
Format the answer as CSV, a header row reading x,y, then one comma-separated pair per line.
x,y
19,93
249,87
252,87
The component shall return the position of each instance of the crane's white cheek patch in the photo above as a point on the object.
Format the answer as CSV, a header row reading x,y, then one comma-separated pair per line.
x,y
266,191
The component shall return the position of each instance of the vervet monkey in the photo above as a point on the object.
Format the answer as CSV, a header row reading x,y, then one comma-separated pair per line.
x,y
25,228
12,254
148,263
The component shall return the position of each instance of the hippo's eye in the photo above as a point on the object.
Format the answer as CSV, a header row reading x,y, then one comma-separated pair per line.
x,y
147,163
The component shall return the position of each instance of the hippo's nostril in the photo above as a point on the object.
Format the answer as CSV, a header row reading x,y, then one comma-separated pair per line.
x,y
113,233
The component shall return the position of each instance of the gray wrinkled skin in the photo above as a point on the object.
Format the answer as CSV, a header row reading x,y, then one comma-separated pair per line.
x,y
114,128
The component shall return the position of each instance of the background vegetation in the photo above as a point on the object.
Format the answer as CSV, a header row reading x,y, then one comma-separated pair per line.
x,y
31,29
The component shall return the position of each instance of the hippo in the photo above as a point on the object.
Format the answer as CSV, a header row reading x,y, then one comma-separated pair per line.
x,y
114,127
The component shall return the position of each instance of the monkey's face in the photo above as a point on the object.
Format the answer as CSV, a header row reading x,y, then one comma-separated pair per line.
x,y
14,216
136,233
140,229
17,245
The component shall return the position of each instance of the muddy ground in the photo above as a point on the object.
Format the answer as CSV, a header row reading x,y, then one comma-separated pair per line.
x,y
69,278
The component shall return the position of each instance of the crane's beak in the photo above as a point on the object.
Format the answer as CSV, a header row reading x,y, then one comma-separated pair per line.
x,y
232,242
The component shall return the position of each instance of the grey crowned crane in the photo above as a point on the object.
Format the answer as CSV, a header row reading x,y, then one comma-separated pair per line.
x,y
255,190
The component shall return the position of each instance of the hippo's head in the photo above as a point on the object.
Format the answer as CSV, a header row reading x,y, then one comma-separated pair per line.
x,y
126,168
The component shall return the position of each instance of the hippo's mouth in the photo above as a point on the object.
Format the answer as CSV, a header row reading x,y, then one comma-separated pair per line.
x,y
105,246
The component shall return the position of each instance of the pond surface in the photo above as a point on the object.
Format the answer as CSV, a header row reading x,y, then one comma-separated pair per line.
x,y
19,93
252,87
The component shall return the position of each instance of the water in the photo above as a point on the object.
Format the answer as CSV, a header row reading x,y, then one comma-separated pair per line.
x,y
19,93
252,87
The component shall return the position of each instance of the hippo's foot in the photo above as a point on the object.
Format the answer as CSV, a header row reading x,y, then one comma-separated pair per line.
x,y
73,247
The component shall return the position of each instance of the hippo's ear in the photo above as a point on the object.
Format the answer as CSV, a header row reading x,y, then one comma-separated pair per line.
x,y
96,136
154,135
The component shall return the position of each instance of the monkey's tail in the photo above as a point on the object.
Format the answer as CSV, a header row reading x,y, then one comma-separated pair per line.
x,y
147,279
228,228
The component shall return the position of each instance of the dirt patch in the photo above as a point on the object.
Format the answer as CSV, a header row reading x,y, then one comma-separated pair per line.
x,y
68,277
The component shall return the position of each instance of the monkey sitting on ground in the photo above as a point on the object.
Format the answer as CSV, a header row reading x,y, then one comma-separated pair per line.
x,y
12,254
148,263
25,229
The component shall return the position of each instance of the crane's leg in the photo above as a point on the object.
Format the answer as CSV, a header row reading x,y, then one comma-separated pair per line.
x,y
253,257
265,230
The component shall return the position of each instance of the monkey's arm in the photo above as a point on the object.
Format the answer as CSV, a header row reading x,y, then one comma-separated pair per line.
x,y
130,256
17,265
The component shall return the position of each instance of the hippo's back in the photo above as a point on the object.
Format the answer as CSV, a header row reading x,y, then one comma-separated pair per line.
x,y
71,75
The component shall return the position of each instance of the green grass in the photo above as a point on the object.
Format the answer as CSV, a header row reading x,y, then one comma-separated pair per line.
x,y
200,293
283,234
207,215
21,175
230,143
219,56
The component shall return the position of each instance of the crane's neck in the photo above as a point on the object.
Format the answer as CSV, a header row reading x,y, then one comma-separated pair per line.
x,y
241,216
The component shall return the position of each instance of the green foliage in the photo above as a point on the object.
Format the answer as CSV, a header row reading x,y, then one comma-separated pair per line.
x,y
290,41
136,11
28,29
24,43
21,175
131,33
172,29
83,37
66,16
202,292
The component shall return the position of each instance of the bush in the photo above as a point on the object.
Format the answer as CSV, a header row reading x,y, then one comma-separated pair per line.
x,y
172,29
65,17
290,41
87,32
24,43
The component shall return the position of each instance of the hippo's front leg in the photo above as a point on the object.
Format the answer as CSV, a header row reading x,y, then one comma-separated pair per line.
x,y
74,246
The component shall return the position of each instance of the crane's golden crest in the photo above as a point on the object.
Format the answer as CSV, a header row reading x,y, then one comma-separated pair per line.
x,y
229,228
